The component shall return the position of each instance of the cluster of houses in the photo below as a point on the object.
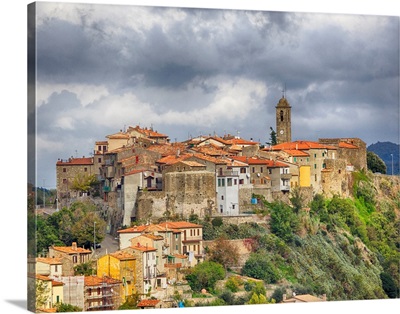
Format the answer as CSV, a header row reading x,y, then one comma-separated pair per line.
x,y
149,260
144,179
142,176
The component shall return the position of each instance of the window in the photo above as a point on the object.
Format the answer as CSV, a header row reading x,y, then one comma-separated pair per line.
x,y
99,160
269,171
221,207
315,166
241,181
222,197
261,169
315,177
253,169
229,181
85,169
294,159
281,115
242,170
233,206
104,148
64,169
235,181
99,147
74,259
222,182
315,155
65,181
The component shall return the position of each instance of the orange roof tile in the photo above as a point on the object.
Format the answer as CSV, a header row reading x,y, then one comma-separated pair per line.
x,y
49,260
148,132
119,135
240,141
172,159
347,145
143,248
179,224
96,281
122,256
71,249
148,303
296,153
76,162
301,145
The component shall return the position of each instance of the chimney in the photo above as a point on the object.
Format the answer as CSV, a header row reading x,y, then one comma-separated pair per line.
x,y
74,246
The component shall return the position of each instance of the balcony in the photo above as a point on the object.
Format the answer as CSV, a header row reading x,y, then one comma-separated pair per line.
x,y
286,176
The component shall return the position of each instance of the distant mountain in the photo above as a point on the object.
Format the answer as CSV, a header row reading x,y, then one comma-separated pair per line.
x,y
385,150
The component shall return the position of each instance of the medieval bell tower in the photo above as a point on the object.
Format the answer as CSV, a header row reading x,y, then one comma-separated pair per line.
x,y
283,121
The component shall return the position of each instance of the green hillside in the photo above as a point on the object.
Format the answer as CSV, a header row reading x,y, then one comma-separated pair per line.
x,y
347,249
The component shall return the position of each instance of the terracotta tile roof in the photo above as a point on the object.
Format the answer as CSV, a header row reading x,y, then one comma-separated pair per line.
x,y
76,162
210,150
167,149
172,159
55,283
347,145
143,248
50,261
296,153
97,281
43,278
240,141
101,143
217,161
301,145
122,256
135,171
181,256
119,135
251,160
135,229
180,224
192,163
148,303
148,132
71,249
153,237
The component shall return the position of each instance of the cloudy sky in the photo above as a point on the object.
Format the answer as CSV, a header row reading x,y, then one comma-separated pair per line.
x,y
102,68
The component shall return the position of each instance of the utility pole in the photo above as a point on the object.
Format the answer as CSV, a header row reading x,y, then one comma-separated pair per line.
x,y
94,236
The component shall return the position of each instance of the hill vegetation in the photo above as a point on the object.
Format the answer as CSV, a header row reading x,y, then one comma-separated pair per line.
x,y
346,248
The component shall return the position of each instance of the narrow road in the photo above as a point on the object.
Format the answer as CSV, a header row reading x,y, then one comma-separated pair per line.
x,y
108,245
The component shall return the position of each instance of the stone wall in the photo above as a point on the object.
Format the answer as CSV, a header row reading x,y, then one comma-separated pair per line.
x,y
186,193
335,178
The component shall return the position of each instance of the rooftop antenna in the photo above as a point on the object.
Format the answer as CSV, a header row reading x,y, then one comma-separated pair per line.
x,y
284,91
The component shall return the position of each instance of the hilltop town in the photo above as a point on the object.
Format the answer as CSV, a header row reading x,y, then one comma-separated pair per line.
x,y
152,193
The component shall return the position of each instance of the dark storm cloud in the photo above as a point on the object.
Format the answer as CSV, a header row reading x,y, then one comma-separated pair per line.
x,y
193,71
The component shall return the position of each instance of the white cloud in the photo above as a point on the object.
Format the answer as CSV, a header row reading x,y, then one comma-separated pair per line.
x,y
86,93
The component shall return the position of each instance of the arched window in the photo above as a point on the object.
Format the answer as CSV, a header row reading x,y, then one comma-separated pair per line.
x,y
281,115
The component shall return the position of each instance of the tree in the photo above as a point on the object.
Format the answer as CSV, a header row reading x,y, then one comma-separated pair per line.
x,y
66,308
42,293
258,299
259,266
375,163
272,135
297,199
205,275
84,182
224,252
284,222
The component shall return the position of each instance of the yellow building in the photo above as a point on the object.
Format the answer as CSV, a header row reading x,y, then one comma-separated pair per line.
x,y
305,176
121,266
48,292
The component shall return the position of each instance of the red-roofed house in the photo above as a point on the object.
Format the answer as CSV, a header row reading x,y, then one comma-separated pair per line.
x,y
149,304
101,293
67,171
70,256
49,292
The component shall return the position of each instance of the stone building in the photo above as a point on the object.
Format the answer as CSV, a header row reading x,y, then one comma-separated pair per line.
x,y
66,172
70,256
283,121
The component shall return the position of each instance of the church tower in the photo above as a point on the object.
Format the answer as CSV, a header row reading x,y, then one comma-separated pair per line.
x,y
283,121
